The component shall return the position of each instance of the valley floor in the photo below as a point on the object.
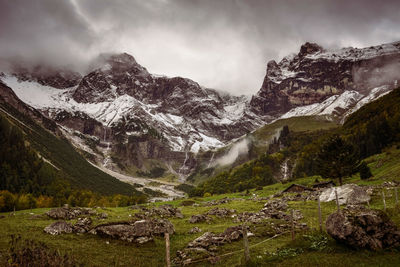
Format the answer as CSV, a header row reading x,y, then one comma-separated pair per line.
x,y
310,248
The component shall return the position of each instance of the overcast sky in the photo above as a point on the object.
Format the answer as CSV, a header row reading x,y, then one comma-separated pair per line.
x,y
222,44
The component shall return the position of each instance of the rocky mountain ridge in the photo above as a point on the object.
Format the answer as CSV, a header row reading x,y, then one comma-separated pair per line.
x,y
127,117
314,75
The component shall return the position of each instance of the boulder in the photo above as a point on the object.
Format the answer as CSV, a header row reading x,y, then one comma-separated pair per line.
x,y
67,213
195,230
205,246
200,218
82,225
363,228
221,212
347,194
58,228
163,211
137,231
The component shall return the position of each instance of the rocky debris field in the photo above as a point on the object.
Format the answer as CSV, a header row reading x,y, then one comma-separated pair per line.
x,y
208,230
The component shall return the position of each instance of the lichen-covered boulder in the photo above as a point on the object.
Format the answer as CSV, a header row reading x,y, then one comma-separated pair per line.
x,y
138,231
363,228
58,228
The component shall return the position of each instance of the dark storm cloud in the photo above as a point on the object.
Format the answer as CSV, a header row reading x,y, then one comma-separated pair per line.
x,y
219,43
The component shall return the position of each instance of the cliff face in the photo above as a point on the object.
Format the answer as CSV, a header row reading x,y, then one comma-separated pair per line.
x,y
314,74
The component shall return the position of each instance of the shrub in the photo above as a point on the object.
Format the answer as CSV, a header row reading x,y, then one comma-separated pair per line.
x,y
365,171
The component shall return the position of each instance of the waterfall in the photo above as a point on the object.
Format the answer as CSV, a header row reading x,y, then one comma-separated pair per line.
x,y
211,159
184,162
285,170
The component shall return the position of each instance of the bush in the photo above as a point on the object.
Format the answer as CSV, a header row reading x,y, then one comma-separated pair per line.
x,y
365,171
31,253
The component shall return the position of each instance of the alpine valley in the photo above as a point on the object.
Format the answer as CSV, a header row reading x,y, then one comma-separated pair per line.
x,y
129,122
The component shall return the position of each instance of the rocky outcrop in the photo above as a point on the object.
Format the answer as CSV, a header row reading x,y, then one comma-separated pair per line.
x,y
221,212
363,228
68,213
347,194
58,228
200,218
59,78
315,74
195,230
205,246
137,231
163,211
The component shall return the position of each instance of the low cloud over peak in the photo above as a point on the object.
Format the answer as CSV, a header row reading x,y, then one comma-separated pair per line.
x,y
222,44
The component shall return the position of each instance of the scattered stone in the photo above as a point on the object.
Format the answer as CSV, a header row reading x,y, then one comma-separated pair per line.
x,y
363,228
67,213
221,212
199,218
195,230
347,194
187,203
102,216
37,217
219,202
163,211
82,225
58,228
207,244
138,231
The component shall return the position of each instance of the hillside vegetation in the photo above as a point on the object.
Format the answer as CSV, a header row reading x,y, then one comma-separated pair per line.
x,y
25,170
310,247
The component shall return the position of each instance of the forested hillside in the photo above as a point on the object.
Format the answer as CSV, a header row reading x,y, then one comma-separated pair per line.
x,y
365,133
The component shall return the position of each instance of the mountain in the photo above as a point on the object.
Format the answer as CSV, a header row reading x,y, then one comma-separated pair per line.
x,y
327,82
129,120
131,117
45,142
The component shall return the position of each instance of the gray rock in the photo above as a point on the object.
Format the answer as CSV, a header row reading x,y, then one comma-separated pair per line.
x,y
347,194
102,216
58,228
138,231
67,213
221,212
82,225
363,228
207,244
195,230
200,218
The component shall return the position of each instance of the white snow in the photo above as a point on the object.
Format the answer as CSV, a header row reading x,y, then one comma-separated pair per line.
x,y
205,143
328,107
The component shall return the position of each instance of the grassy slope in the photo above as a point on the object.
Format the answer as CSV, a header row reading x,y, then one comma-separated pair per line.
x,y
263,136
93,251
62,154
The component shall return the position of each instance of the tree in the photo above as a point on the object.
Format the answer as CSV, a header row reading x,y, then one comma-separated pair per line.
x,y
337,159
365,172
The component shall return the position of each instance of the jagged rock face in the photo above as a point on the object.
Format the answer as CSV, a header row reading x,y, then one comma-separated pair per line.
x,y
60,78
313,75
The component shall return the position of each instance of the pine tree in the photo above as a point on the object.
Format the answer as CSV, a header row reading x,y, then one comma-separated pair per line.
x,y
365,172
337,159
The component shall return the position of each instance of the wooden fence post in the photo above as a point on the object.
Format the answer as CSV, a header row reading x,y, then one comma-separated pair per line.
x,y
246,244
319,214
337,200
397,197
384,200
167,254
292,219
